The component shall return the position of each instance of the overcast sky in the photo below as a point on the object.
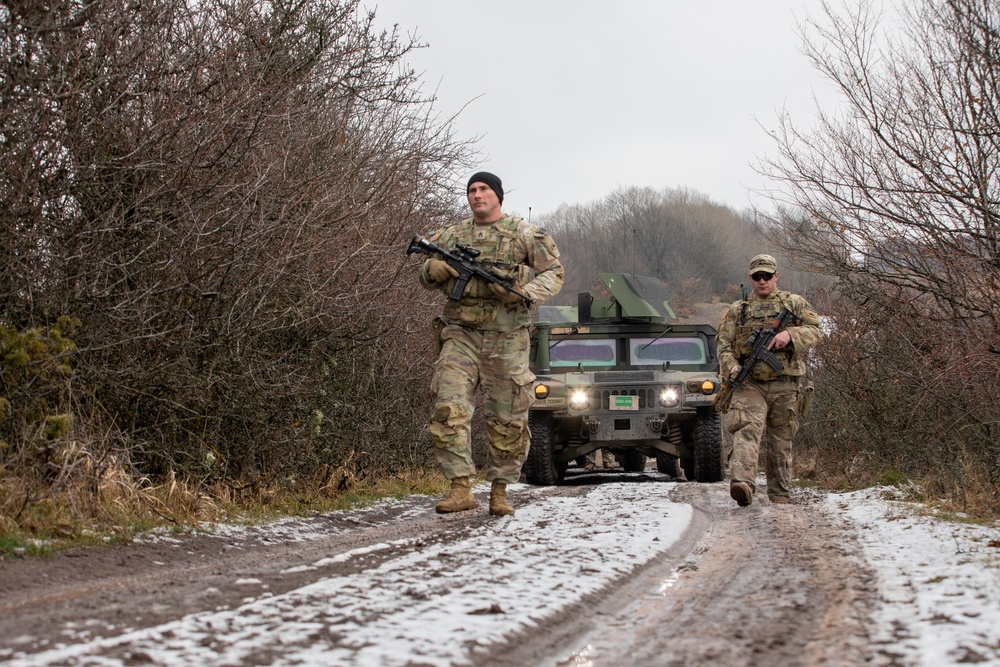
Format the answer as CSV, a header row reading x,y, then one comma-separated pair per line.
x,y
573,99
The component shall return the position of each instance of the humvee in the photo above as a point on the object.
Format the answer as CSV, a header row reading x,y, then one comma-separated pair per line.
x,y
621,374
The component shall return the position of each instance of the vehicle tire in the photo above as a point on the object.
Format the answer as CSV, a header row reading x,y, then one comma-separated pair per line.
x,y
632,460
668,464
541,468
706,437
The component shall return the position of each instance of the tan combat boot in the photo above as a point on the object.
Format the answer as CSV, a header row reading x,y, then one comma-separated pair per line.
x,y
460,498
498,500
741,493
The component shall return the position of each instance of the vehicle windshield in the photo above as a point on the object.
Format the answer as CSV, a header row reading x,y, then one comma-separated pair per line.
x,y
653,352
573,352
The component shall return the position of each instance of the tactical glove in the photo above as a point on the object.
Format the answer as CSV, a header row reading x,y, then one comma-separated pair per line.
x,y
506,296
439,271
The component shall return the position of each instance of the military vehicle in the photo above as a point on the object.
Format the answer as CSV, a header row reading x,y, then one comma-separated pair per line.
x,y
621,374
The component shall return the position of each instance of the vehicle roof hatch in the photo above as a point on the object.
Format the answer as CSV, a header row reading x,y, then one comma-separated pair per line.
x,y
639,296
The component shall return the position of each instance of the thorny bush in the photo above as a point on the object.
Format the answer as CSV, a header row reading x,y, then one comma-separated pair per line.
x,y
220,194
898,390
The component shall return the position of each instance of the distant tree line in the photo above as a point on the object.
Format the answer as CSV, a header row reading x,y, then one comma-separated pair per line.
x,y
697,248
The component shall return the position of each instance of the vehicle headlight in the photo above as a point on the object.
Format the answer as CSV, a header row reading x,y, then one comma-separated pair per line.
x,y
541,391
579,400
670,397
706,387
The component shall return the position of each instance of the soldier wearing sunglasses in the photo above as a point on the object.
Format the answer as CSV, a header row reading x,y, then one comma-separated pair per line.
x,y
769,398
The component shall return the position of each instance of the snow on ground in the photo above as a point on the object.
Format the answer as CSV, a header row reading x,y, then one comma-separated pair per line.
x,y
283,531
939,587
939,581
432,606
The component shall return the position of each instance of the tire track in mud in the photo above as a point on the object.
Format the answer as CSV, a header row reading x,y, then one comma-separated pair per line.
x,y
767,584
784,585
75,596
81,597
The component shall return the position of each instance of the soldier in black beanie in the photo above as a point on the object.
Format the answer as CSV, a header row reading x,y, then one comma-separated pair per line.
x,y
490,180
483,343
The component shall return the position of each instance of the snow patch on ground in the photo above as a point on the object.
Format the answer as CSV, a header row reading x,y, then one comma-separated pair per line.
x,y
939,581
435,605
282,531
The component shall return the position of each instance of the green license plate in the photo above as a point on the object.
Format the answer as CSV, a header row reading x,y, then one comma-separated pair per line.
x,y
624,403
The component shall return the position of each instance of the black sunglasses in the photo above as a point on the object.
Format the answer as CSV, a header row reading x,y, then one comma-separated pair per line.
x,y
762,275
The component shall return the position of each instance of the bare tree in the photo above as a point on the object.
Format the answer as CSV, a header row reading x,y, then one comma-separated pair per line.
x,y
897,195
902,184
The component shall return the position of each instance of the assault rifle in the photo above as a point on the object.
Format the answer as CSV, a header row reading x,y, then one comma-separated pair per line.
x,y
463,260
758,342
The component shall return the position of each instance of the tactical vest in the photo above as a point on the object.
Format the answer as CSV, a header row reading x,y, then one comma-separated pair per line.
x,y
497,244
755,313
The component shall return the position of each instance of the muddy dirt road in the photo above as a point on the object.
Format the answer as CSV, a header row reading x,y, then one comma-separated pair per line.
x,y
609,569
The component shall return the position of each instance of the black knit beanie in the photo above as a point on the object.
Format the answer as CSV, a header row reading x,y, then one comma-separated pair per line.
x,y
490,180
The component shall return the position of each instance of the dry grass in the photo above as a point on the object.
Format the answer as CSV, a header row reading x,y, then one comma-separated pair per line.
x,y
92,501
971,496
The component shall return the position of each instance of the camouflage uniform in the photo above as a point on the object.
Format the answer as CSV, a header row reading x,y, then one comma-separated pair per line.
x,y
484,343
607,459
766,398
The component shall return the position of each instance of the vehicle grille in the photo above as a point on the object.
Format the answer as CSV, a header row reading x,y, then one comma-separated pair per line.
x,y
600,398
624,376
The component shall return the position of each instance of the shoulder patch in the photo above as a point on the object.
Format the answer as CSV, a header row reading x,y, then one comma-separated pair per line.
x,y
730,313
546,242
810,316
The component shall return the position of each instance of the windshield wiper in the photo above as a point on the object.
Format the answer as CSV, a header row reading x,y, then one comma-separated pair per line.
x,y
573,330
658,337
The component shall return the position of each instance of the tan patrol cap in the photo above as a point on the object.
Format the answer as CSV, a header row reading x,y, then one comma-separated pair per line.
x,y
763,263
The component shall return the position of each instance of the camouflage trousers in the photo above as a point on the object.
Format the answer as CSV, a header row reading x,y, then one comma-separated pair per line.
x,y
496,363
756,405
607,458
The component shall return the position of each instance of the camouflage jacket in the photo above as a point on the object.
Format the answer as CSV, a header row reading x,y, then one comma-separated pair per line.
x,y
511,248
743,317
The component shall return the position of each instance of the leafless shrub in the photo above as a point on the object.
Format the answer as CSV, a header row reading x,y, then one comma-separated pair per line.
x,y
220,192
901,187
900,393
